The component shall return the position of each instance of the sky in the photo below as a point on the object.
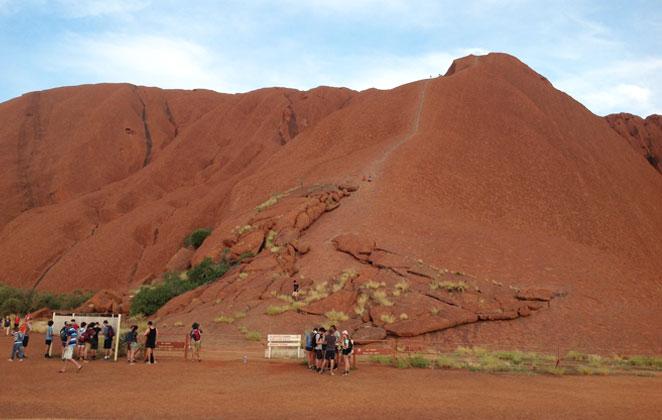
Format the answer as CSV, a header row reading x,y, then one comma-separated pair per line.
x,y
605,54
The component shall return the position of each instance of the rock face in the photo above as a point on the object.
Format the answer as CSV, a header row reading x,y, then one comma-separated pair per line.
x,y
488,170
644,135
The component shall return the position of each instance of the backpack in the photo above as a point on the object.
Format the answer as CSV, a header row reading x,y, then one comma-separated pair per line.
x,y
63,334
350,346
128,338
110,333
195,335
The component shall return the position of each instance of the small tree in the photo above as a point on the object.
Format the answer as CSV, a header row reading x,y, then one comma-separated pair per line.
x,y
197,237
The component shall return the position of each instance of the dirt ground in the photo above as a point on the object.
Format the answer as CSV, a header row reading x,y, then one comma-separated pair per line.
x,y
230,389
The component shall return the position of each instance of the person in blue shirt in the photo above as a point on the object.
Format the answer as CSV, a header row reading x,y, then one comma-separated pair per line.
x,y
49,339
72,338
18,344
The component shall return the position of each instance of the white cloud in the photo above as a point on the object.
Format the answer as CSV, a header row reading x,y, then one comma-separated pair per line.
x,y
95,8
141,59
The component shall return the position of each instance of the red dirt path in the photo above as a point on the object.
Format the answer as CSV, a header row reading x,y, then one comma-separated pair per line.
x,y
283,389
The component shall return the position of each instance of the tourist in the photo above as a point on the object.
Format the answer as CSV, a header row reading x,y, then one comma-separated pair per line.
x,y
295,290
337,349
17,321
49,339
150,343
330,355
132,344
18,345
319,348
195,341
346,346
7,324
108,334
64,335
310,345
26,329
80,345
93,338
68,356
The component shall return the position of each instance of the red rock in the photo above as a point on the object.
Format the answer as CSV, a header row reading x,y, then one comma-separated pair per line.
x,y
355,245
181,261
536,294
448,318
386,259
287,235
341,301
368,334
249,242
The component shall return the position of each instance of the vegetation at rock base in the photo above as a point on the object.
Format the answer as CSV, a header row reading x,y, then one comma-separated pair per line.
x,y
23,300
197,237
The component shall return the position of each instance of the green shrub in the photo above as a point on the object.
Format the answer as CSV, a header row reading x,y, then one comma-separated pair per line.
x,y
276,310
334,315
253,336
228,320
196,238
381,297
419,361
646,361
24,300
240,315
447,363
575,355
207,271
387,319
381,359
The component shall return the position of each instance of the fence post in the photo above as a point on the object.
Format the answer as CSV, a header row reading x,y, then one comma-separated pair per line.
x,y
394,350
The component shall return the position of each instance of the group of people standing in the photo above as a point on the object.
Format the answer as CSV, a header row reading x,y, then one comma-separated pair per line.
x,y
21,335
325,348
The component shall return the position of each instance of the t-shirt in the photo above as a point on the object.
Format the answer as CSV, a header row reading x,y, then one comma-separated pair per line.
x,y
18,337
318,346
49,333
330,342
72,337
95,337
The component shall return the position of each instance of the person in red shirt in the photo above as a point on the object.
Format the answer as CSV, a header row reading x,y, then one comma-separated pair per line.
x,y
17,321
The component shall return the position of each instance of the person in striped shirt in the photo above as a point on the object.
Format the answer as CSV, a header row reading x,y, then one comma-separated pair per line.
x,y
72,338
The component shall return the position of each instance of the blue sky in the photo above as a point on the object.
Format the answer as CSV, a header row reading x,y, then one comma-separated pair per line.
x,y
606,54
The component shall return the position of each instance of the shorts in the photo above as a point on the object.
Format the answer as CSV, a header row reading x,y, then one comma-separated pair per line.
x,y
107,343
68,352
346,352
25,340
134,345
94,345
320,354
15,325
330,354
309,349
48,342
150,344
195,345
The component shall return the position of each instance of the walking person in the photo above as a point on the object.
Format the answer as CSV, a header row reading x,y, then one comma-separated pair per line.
x,y
49,339
108,334
132,344
18,345
72,339
17,321
346,346
7,324
295,290
195,341
150,342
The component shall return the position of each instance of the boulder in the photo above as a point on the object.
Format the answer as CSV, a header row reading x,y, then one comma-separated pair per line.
x,y
181,261
360,248
368,333
425,324
249,242
287,235
385,259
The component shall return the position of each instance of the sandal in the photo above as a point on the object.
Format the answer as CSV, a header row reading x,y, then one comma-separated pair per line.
x,y
79,368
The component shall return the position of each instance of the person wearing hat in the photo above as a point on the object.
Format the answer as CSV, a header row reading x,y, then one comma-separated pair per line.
x,y
346,346
26,328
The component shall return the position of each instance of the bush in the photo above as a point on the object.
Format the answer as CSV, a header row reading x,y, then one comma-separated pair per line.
x,y
23,300
253,336
225,319
207,271
336,316
418,361
196,238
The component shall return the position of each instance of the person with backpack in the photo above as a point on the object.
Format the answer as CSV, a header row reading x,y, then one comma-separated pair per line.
x,y
195,337
93,338
108,334
63,337
68,356
310,337
49,339
347,346
80,346
131,339
330,355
